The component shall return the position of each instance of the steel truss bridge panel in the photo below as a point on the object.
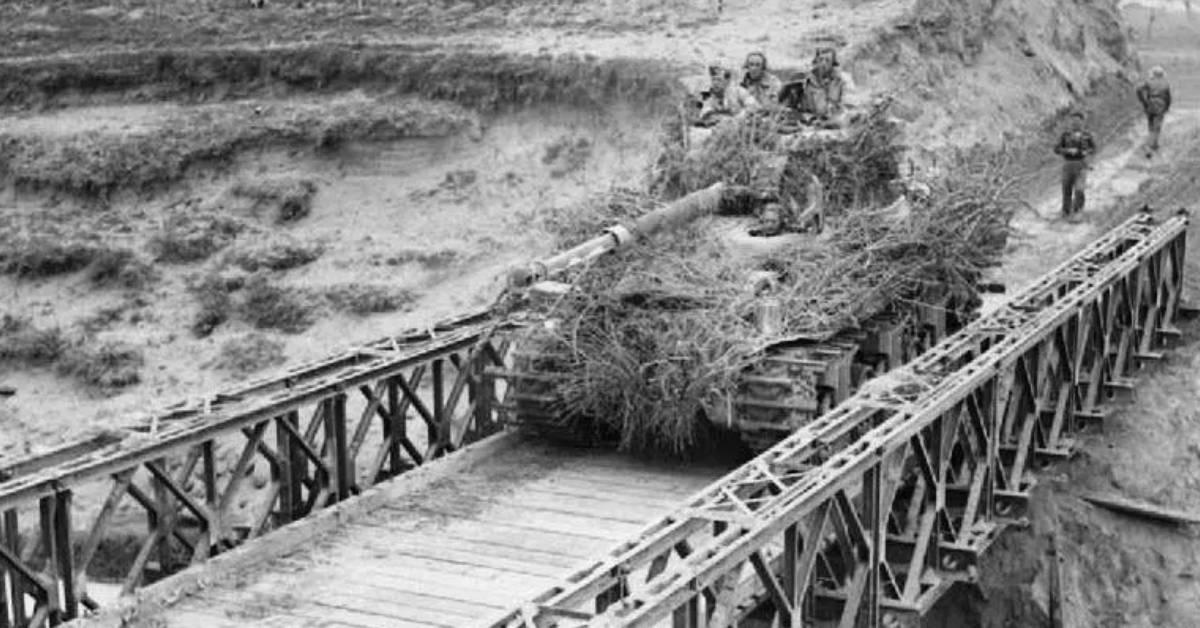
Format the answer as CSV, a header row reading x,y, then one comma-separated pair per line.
x,y
866,516
323,432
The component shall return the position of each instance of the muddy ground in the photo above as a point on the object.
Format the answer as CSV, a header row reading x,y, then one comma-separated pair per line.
x,y
377,166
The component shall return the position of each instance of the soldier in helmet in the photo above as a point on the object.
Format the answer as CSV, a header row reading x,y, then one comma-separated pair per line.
x,y
1155,96
724,98
760,83
1076,146
823,86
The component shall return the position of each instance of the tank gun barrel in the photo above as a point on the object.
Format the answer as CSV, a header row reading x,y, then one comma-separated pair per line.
x,y
674,214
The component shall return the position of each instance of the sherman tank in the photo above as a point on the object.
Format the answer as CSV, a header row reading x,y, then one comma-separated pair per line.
x,y
793,377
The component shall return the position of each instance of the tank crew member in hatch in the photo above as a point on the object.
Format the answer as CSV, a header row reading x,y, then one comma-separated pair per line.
x,y
723,99
760,83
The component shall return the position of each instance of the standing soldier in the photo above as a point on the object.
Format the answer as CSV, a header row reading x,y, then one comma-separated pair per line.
x,y
1076,146
762,85
1155,96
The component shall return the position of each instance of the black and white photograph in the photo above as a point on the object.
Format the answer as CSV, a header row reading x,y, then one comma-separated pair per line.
x,y
599,314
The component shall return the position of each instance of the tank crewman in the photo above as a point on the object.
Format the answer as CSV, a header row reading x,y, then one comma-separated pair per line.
x,y
724,98
1076,146
823,87
760,83
1155,96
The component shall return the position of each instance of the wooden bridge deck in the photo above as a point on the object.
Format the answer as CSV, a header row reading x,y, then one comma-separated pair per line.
x,y
456,552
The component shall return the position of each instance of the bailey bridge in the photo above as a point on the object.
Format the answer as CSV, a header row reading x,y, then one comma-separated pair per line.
x,y
393,503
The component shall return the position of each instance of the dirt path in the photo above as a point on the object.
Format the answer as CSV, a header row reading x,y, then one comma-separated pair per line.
x,y
1118,570
1043,239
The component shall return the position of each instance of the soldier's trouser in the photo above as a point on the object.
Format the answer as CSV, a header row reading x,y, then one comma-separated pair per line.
x,y
1155,122
1074,178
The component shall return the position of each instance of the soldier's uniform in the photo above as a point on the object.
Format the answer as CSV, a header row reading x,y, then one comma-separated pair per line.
x,y
1155,96
723,99
821,94
765,90
1075,146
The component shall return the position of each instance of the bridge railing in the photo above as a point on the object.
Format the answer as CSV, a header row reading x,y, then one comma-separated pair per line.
x,y
209,475
877,507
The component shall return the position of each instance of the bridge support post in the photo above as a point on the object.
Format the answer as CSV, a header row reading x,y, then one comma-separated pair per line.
x,y
60,565
394,428
687,615
876,517
293,469
341,466
482,394
439,442
162,521
13,593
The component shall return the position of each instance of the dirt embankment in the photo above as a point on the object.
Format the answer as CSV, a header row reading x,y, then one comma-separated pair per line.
x,y
1117,570
470,76
977,72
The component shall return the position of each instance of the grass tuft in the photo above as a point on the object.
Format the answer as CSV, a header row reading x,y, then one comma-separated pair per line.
x,y
108,365
274,254
189,236
288,199
267,305
123,268
362,299
249,353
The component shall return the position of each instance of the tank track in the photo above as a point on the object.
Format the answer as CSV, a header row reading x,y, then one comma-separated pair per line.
x,y
791,386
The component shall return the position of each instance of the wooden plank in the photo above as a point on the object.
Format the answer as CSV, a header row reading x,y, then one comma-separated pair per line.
x,y
682,485
517,537
499,592
394,546
410,567
597,508
605,459
355,617
470,558
599,486
559,489
364,600
1142,509
198,618
489,541
403,524
307,612
377,589
549,521
427,588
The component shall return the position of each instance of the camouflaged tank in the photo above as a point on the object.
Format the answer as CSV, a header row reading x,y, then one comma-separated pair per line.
x,y
781,204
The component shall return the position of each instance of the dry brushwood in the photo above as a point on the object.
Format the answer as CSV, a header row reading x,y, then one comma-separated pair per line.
x,y
854,168
651,338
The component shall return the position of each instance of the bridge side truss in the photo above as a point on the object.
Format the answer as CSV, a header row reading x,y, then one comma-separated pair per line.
x,y
324,432
866,516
